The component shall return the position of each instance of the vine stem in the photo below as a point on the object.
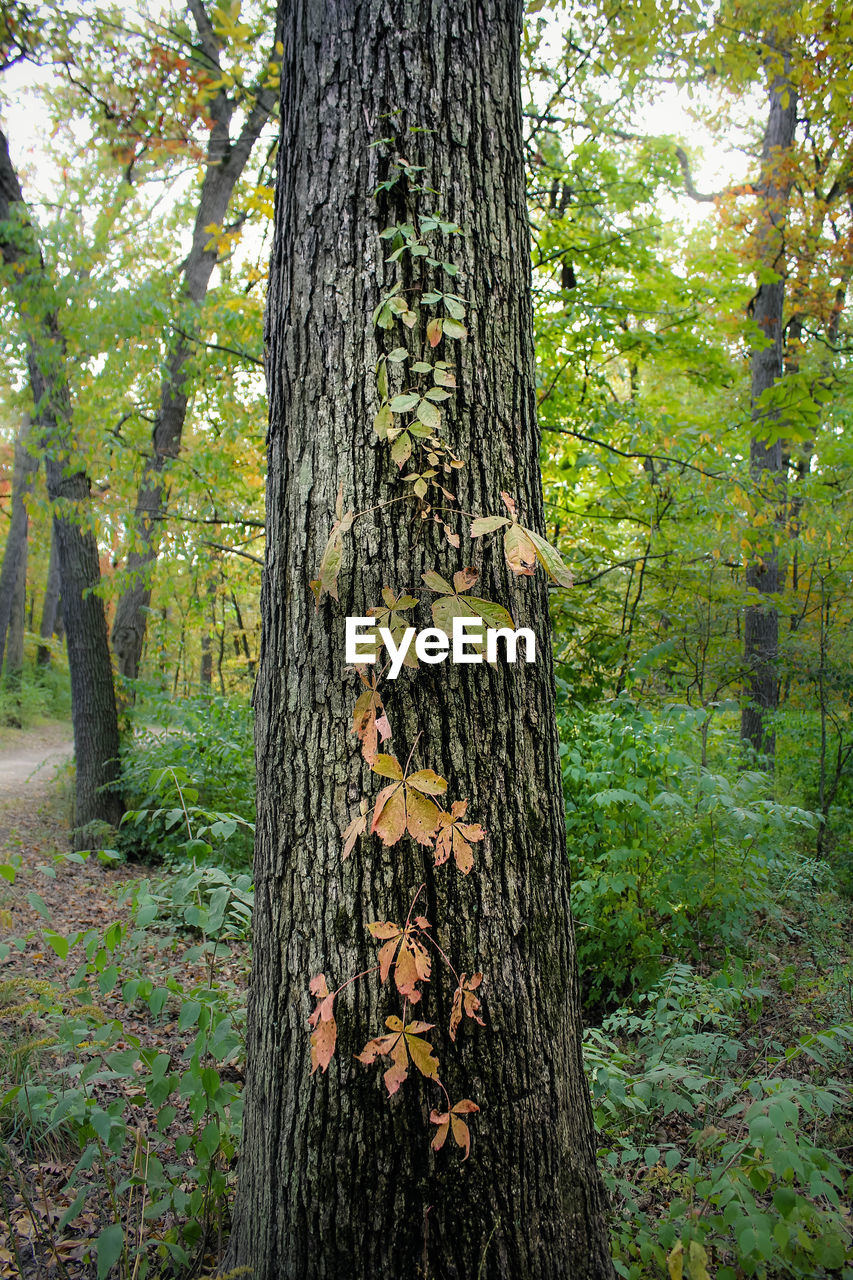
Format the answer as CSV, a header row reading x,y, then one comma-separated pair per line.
x,y
429,938
365,973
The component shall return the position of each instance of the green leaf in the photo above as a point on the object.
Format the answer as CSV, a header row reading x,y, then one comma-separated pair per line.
x,y
57,943
401,449
453,329
37,903
403,403
429,415
109,1246
487,524
73,1211
383,420
188,1016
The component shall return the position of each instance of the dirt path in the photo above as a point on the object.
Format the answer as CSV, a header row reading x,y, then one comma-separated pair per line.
x,y
29,759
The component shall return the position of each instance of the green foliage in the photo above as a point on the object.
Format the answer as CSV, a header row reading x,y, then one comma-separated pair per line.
x,y
190,789
669,859
167,1176
39,693
712,1161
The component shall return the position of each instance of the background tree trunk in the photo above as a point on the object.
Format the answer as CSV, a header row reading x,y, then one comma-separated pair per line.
x,y
765,573
17,624
23,476
335,1178
50,612
225,163
93,708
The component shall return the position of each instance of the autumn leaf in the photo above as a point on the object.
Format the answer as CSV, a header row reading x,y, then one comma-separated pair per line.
x,y
456,837
413,963
390,615
356,828
455,604
522,547
325,1032
487,524
326,581
433,332
402,1044
451,1121
405,804
369,722
466,1001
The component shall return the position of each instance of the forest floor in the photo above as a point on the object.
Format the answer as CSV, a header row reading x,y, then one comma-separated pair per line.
x,y
53,896
801,964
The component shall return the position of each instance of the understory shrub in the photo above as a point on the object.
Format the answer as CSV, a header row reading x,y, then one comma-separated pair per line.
x,y
669,859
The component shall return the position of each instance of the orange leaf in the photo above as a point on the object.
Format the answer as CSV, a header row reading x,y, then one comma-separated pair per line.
x,y
403,1042
369,721
452,1121
325,1032
456,837
465,1001
356,828
404,805
413,962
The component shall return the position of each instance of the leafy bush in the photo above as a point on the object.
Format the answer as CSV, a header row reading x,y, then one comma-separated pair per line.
x,y
158,1130
40,693
669,859
710,1162
192,782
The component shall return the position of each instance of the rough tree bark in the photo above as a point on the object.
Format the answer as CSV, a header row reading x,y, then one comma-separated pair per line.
x,y
17,624
765,573
23,476
336,1179
93,707
225,162
51,621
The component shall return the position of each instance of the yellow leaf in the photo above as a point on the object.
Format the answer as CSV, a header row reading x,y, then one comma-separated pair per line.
x,y
697,1259
675,1263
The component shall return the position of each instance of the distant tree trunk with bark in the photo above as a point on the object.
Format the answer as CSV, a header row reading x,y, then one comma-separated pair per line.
x,y
765,572
23,476
50,612
93,707
225,162
17,624
335,1178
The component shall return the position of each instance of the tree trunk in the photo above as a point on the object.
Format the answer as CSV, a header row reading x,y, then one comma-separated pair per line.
x,y
17,624
765,574
336,1179
23,477
50,606
93,708
225,163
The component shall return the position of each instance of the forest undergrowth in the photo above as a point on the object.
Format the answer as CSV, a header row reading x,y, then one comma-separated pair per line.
x,y
715,959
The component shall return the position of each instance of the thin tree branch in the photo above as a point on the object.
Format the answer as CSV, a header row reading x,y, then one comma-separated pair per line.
x,y
234,551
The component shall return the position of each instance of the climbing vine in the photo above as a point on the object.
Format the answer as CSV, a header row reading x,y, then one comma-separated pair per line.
x,y
415,384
